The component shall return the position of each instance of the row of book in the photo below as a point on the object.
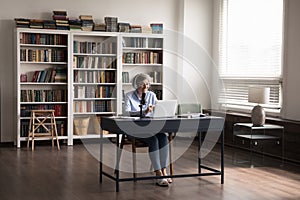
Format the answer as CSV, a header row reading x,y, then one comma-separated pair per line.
x,y
147,57
92,106
60,109
60,126
94,62
43,95
142,42
125,77
94,77
106,47
156,76
43,55
94,91
43,39
51,75
61,21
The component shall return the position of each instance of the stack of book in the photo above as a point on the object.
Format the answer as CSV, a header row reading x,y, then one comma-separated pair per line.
x,y
135,29
87,22
111,24
61,19
124,27
22,22
75,24
49,24
36,23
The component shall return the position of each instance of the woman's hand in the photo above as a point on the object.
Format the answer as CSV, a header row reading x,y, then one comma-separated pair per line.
x,y
149,109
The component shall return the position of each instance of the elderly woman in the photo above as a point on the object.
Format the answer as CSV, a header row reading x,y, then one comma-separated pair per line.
x,y
158,144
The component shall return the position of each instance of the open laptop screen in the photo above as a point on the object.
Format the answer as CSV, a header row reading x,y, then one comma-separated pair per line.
x,y
165,108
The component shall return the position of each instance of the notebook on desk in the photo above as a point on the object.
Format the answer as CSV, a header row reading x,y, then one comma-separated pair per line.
x,y
165,108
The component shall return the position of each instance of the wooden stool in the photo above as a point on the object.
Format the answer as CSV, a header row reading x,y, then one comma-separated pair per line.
x,y
42,125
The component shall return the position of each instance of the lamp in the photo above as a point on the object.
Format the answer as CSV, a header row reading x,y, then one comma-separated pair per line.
x,y
259,95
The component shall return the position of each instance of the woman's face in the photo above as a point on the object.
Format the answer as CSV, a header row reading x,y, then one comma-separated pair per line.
x,y
144,86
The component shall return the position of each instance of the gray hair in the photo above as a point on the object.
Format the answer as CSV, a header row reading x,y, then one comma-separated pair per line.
x,y
139,78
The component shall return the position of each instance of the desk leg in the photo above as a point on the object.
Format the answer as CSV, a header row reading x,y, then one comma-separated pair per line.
x,y
199,153
170,137
222,156
118,163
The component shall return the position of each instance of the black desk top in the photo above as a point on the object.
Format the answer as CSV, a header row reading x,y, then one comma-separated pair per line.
x,y
132,125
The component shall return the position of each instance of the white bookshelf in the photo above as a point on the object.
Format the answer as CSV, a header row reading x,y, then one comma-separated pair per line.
x,y
85,67
40,53
94,80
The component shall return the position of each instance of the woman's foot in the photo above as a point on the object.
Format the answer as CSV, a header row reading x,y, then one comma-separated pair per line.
x,y
163,182
164,172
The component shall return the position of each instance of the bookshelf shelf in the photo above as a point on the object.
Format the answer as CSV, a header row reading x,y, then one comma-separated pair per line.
x,y
43,103
41,46
45,63
45,84
87,68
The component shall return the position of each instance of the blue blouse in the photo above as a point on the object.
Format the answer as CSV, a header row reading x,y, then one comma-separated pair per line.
x,y
132,102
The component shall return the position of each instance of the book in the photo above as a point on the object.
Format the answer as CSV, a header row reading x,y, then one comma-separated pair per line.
x,y
22,22
85,17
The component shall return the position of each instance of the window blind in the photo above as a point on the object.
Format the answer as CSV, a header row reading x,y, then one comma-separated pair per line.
x,y
250,50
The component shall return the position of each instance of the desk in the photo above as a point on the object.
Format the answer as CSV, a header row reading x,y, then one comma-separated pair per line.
x,y
137,126
256,137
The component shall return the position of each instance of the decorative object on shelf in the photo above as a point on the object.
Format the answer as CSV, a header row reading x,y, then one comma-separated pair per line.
x,y
259,95
157,28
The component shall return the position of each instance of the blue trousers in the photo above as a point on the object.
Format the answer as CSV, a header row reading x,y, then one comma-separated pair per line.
x,y
158,150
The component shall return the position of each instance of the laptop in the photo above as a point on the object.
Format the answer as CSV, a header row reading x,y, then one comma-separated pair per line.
x,y
165,108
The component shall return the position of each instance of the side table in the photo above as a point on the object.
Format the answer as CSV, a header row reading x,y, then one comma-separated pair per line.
x,y
258,138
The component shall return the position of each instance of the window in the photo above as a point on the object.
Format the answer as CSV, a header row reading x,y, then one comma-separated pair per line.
x,y
250,51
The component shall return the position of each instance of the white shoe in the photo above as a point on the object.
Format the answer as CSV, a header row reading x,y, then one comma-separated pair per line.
x,y
163,182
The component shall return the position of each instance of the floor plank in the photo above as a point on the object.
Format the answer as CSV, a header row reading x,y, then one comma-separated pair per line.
x,y
73,173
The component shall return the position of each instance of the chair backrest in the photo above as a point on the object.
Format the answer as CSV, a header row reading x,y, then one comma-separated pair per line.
x,y
189,108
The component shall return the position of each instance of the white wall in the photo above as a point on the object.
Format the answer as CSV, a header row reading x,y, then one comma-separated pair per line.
x,y
134,11
196,46
291,70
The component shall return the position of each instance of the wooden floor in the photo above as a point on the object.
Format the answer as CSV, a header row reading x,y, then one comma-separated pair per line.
x,y
73,173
